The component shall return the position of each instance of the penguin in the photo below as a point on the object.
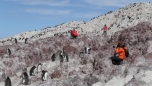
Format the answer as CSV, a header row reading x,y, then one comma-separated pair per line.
x,y
53,57
44,75
32,71
25,79
15,40
9,51
87,50
61,58
8,82
26,40
66,58
39,67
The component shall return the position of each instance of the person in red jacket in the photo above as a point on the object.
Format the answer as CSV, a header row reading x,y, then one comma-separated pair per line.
x,y
119,53
74,33
105,29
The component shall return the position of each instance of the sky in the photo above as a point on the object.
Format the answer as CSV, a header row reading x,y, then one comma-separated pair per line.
x,y
17,16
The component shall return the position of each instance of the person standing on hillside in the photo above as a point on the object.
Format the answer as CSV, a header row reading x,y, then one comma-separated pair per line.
x,y
74,33
105,28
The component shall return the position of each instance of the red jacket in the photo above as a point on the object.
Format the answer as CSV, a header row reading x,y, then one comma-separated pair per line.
x,y
105,28
74,33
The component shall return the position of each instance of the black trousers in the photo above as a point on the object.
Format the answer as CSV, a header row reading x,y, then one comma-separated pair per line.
x,y
104,32
73,36
116,58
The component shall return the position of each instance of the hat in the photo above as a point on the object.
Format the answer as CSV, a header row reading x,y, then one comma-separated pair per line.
x,y
120,43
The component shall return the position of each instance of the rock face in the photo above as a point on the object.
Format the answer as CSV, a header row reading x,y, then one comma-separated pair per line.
x,y
94,69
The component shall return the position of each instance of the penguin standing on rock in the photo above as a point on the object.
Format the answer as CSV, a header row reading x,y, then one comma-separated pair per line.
x,y
15,40
39,67
9,51
53,57
25,79
66,58
87,50
44,75
63,56
32,71
8,82
26,40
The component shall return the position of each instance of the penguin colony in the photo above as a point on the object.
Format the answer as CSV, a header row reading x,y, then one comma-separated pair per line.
x,y
38,69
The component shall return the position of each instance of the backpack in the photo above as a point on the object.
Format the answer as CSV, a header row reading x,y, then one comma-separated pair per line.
x,y
126,51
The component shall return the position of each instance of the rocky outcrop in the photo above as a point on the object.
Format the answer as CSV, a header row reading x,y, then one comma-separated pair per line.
x,y
92,69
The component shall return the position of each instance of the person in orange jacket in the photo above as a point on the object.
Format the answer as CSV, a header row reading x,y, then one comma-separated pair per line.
x,y
119,53
74,33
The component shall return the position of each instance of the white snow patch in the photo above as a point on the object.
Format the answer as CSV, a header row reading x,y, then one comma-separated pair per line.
x,y
150,47
119,81
147,78
98,84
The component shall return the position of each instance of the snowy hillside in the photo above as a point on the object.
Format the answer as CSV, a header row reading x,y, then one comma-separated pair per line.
x,y
132,24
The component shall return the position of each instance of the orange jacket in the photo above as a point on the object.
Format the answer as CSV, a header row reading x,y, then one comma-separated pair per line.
x,y
121,52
